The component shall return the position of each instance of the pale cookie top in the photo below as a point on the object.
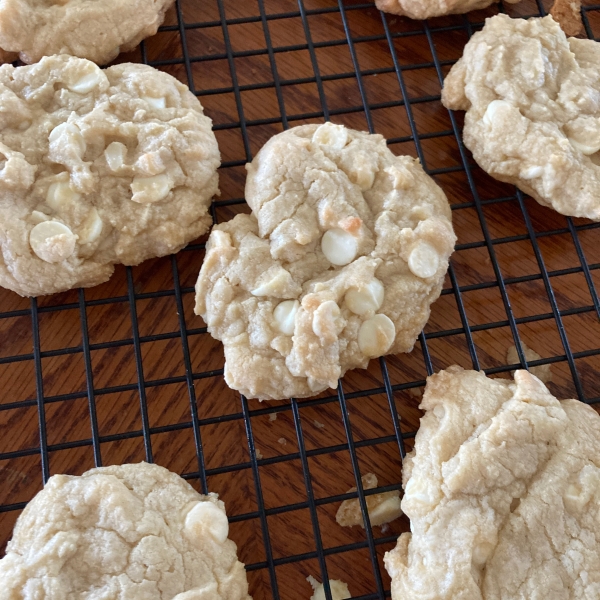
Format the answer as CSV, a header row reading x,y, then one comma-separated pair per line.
x,y
94,29
346,248
123,532
424,9
98,167
503,494
532,98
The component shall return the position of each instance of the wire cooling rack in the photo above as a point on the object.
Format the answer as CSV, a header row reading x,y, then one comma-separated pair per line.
x,y
125,372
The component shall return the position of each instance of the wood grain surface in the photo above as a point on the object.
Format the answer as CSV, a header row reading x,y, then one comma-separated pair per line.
x,y
143,394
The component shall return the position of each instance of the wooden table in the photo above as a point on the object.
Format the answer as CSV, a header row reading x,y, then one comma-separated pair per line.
x,y
110,392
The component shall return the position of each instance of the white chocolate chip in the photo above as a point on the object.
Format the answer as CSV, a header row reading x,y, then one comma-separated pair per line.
x,y
52,241
387,511
72,137
532,172
156,102
416,491
147,190
339,246
60,196
92,228
115,155
492,110
584,134
362,301
39,217
334,136
150,163
424,260
88,82
364,176
574,498
585,148
376,335
439,411
206,518
481,552
285,316
274,285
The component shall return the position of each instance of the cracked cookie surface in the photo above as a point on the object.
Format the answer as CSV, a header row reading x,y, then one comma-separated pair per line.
x,y
503,493
532,98
346,248
131,531
98,167
92,29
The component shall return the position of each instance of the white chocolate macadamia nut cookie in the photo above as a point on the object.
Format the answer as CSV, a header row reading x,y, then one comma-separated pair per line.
x,y
94,29
503,494
97,168
130,531
346,248
424,9
532,98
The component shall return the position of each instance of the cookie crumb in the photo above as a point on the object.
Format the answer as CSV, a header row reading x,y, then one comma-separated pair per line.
x,y
415,391
319,425
567,13
339,589
272,416
383,508
282,441
542,372
258,453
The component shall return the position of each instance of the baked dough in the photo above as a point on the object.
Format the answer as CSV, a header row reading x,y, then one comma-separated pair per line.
x,y
122,532
532,98
346,248
94,29
503,493
567,13
98,167
424,9
383,508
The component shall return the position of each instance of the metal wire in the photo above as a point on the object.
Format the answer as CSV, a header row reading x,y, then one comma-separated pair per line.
x,y
246,414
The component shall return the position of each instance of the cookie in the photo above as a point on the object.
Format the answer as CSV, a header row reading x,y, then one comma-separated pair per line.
x,y
130,531
346,248
542,372
533,114
99,167
383,508
503,494
98,31
339,590
424,9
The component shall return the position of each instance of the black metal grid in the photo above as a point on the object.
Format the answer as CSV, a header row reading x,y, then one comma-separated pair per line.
x,y
188,66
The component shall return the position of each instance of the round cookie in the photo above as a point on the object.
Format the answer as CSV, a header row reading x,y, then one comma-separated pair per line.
x,y
98,167
533,114
503,494
424,9
346,248
92,29
130,531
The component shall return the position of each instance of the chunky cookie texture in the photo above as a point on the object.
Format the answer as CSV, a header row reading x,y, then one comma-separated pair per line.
x,y
98,167
123,532
532,98
346,248
94,29
503,493
423,9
